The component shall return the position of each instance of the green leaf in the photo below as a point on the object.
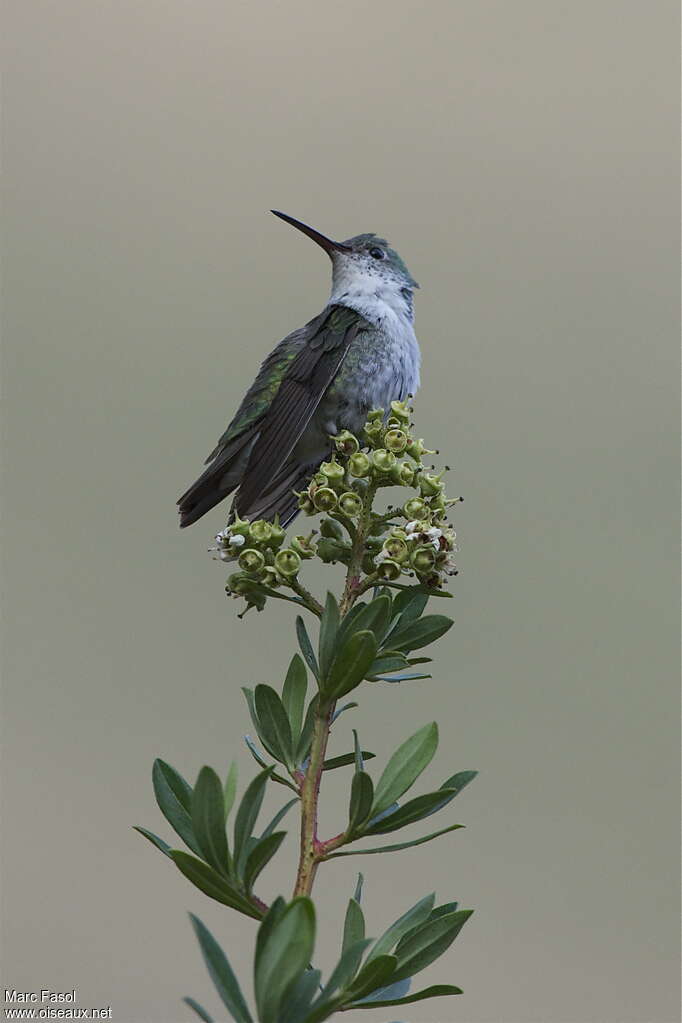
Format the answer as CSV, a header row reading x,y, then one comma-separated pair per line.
x,y
353,925
260,856
221,973
410,604
293,695
276,910
299,998
329,625
278,817
303,748
275,728
199,1009
284,957
341,710
230,789
420,633
155,840
414,810
345,969
436,991
357,752
360,807
375,617
412,918
213,884
397,678
260,760
371,976
245,820
174,797
405,766
352,663
347,622
390,992
208,820
306,647
387,664
428,942
345,760
395,848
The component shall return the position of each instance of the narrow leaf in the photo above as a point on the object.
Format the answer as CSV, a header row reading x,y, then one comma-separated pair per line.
x,y
221,973
199,1009
303,748
208,820
284,958
261,761
352,663
213,884
414,810
405,766
341,710
436,991
260,855
275,912
395,848
345,969
428,943
293,695
230,789
420,633
397,678
245,820
300,997
278,817
345,760
412,918
275,728
306,647
371,976
353,925
329,625
155,840
390,992
410,604
174,796
360,807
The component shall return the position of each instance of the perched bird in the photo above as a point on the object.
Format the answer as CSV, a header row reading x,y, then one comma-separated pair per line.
x,y
359,353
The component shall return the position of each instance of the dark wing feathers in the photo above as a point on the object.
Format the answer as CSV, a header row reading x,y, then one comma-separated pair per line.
x,y
299,394
253,452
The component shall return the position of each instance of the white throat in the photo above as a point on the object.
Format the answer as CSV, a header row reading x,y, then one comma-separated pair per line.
x,y
374,296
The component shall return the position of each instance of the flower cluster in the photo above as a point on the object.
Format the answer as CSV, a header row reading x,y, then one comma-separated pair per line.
x,y
413,539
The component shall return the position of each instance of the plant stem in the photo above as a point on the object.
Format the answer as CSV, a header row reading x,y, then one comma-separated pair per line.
x,y
306,597
350,592
309,857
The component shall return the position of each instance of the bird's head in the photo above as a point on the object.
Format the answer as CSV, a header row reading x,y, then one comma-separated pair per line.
x,y
365,264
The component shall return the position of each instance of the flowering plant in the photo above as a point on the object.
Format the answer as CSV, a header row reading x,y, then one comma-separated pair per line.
x,y
374,641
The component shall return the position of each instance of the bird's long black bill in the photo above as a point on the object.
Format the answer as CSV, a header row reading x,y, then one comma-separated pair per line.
x,y
327,244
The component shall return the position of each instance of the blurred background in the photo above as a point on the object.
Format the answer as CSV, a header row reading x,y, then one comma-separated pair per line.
x,y
522,157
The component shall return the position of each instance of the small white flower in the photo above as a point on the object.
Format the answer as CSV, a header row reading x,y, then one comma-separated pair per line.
x,y
381,556
412,526
237,540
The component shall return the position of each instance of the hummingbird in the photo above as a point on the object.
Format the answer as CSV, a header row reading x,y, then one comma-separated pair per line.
x,y
359,353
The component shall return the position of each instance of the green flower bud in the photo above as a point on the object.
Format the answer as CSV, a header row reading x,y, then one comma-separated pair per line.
x,y
271,578
303,546
350,504
331,529
375,416
359,464
415,508
374,433
240,583
346,443
430,485
415,449
251,561
333,472
396,549
368,564
324,499
306,505
360,486
388,570
330,550
278,535
240,527
423,559
383,460
401,411
260,531
396,441
287,562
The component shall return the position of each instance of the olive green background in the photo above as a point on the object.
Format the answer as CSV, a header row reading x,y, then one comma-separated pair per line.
x,y
522,157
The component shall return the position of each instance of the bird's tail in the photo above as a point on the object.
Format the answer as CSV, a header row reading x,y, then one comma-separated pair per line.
x,y
216,482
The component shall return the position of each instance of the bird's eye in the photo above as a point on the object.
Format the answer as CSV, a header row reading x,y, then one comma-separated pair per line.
x,y
376,253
